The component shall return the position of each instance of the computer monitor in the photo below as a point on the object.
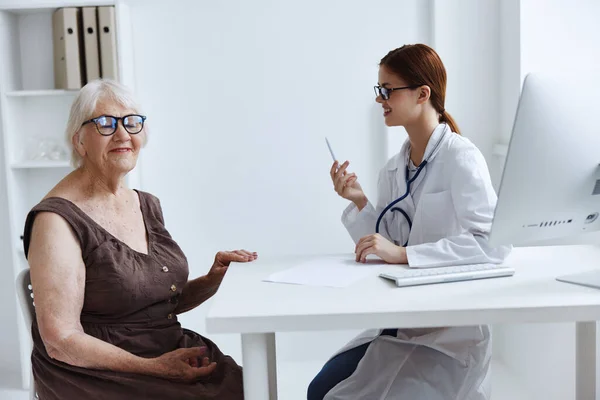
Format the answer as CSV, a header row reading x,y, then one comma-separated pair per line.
x,y
550,187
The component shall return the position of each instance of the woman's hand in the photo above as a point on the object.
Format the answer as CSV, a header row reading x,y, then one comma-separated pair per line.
x,y
222,261
198,290
381,247
182,365
346,185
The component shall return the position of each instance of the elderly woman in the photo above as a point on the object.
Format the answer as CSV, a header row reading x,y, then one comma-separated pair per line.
x,y
109,280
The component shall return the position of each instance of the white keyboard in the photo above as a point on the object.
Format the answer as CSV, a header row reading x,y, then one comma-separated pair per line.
x,y
426,276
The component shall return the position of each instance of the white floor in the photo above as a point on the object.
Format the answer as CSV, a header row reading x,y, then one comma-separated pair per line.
x,y
294,378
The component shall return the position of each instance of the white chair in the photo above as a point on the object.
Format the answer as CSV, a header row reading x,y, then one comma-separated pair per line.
x,y
25,293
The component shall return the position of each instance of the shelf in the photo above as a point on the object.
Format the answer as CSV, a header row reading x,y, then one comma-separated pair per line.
x,y
24,7
41,93
34,114
41,164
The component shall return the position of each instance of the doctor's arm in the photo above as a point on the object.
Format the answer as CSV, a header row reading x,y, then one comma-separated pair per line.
x,y
474,201
361,222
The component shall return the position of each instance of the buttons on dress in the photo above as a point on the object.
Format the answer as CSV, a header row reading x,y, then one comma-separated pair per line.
x,y
170,316
173,288
165,268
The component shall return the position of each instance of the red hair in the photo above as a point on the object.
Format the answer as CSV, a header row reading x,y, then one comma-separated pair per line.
x,y
419,64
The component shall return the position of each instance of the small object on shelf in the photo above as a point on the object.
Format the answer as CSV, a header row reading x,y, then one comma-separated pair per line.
x,y
108,43
46,148
66,42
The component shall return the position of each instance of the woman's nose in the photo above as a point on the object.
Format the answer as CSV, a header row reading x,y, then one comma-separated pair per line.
x,y
121,133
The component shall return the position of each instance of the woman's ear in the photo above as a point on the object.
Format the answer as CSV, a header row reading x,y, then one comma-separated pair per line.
x,y
78,144
424,94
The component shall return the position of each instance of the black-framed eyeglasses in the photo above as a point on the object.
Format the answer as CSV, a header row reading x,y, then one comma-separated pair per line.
x,y
385,92
107,124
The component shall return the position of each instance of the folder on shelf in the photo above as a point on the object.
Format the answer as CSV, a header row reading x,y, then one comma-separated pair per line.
x,y
108,42
90,43
66,38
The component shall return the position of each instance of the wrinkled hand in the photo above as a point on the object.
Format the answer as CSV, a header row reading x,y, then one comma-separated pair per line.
x,y
198,362
346,184
224,258
381,247
183,365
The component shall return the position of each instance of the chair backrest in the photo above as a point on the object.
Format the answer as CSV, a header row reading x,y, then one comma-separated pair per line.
x,y
25,293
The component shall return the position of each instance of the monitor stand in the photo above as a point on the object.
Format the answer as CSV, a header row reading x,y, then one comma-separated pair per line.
x,y
589,279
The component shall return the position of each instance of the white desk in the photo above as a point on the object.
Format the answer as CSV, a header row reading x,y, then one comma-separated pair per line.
x,y
256,309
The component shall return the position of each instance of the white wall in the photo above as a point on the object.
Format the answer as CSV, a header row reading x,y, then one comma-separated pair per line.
x,y
240,96
265,82
509,81
466,35
562,37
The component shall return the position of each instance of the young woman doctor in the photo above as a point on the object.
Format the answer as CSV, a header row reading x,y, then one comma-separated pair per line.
x,y
434,208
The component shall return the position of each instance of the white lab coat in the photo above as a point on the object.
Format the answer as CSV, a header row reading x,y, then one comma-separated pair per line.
x,y
451,223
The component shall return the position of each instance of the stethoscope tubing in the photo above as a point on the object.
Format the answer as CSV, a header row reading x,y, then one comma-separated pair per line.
x,y
408,183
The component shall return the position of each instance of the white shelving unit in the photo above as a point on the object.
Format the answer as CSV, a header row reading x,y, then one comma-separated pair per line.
x,y
41,164
31,109
41,93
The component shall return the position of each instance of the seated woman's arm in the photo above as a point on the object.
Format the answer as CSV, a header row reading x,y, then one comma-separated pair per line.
x,y
58,280
197,291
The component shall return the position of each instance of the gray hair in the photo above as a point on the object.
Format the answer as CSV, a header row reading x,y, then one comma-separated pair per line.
x,y
84,106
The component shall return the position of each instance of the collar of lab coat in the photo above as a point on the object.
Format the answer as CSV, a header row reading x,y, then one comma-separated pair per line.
x,y
433,147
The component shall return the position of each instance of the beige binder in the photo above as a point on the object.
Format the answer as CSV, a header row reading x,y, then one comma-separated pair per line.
x,y
67,60
108,43
90,43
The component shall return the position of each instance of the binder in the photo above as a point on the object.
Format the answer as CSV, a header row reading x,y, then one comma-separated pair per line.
x,y
108,43
66,44
90,43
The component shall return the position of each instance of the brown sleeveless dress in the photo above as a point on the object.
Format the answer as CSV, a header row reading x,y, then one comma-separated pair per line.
x,y
130,299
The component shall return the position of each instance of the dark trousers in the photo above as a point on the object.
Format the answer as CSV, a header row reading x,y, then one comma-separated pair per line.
x,y
339,368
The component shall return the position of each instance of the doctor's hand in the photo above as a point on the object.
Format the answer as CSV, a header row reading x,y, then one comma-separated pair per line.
x,y
346,185
381,247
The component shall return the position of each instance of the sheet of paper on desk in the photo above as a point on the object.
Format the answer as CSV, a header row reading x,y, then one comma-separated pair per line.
x,y
330,272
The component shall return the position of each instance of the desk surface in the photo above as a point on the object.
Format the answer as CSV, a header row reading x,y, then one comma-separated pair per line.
x,y
245,304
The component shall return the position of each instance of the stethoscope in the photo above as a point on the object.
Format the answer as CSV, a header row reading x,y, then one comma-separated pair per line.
x,y
408,183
